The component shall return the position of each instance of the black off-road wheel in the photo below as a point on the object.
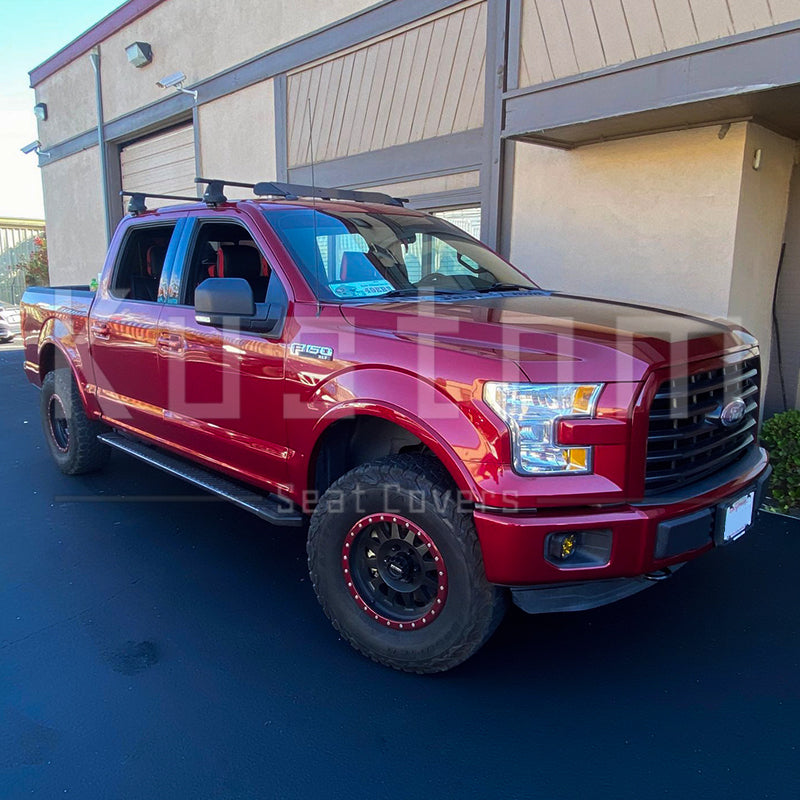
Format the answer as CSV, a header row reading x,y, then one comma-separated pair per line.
x,y
397,566
70,435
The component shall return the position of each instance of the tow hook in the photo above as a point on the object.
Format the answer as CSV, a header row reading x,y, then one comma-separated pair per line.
x,y
658,575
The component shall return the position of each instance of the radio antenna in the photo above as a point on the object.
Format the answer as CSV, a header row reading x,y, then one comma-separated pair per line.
x,y
314,203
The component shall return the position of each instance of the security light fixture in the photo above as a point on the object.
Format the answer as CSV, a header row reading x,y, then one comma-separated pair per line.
x,y
40,111
140,54
35,147
175,81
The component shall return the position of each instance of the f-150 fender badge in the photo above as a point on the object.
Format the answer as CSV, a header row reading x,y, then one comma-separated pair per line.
x,y
311,350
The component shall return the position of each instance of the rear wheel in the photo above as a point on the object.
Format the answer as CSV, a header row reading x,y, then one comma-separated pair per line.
x,y
71,436
397,566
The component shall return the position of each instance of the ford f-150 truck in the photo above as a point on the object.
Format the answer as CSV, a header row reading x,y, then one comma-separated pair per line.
x,y
452,435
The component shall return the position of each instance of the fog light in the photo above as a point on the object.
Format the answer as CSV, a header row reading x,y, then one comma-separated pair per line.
x,y
562,545
574,549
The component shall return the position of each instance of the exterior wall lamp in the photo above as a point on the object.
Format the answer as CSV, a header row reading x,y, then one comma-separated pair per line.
x,y
140,54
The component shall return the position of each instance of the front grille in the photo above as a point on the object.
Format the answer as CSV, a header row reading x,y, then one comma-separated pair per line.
x,y
685,443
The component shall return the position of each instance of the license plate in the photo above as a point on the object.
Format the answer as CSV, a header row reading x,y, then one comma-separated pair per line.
x,y
738,515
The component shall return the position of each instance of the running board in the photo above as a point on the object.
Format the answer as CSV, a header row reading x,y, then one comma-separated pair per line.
x,y
271,508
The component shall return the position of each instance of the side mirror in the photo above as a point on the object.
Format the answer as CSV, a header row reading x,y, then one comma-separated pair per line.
x,y
228,303
223,297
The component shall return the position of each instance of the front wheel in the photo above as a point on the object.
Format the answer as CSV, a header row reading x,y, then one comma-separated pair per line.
x,y
71,436
397,566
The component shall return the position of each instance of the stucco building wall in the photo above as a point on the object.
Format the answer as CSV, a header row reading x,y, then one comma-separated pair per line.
x,y
198,39
651,219
679,219
236,136
73,209
763,202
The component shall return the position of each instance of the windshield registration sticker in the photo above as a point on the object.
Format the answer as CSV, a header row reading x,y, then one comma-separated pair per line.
x,y
361,288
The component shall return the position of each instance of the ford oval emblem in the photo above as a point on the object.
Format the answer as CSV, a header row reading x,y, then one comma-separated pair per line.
x,y
733,412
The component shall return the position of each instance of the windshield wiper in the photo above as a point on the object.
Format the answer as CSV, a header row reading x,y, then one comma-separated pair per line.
x,y
409,292
500,286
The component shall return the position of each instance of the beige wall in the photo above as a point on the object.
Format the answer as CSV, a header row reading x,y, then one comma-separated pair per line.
x,y
651,219
71,103
237,137
676,219
788,302
559,38
761,219
198,39
423,81
73,206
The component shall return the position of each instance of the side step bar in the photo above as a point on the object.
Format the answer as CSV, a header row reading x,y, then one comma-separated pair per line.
x,y
271,508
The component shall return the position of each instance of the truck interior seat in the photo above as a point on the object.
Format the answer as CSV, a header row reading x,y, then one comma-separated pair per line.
x,y
241,261
145,287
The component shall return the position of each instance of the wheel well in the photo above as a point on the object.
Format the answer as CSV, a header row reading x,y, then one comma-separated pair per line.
x,y
47,359
348,443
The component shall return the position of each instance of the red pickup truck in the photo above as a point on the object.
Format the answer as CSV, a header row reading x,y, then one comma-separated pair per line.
x,y
454,435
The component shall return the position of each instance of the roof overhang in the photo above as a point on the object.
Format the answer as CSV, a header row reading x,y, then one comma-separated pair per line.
x,y
751,77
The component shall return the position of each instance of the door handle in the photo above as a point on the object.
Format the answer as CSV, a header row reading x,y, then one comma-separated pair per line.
x,y
171,342
101,330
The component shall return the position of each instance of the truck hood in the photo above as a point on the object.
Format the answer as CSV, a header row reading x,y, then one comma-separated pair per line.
x,y
553,336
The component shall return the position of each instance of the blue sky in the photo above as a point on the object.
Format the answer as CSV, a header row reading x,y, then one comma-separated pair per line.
x,y
32,31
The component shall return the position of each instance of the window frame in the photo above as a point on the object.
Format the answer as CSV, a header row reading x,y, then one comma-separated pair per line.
x,y
182,265
134,230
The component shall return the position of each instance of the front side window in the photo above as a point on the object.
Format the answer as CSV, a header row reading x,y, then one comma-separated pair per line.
x,y
356,255
226,250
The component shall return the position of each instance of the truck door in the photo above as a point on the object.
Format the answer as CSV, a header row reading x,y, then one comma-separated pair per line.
x,y
224,387
123,326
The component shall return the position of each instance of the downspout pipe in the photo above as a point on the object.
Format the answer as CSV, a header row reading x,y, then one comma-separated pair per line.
x,y
94,57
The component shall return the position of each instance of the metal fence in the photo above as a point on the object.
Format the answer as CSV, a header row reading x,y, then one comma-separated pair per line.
x,y
17,243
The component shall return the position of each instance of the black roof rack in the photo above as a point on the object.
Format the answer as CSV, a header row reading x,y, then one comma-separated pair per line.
x,y
215,192
138,205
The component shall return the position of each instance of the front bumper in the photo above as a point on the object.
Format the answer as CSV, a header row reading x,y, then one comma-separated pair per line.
x,y
645,539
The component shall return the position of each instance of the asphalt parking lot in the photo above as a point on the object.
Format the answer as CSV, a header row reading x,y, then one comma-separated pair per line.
x,y
158,643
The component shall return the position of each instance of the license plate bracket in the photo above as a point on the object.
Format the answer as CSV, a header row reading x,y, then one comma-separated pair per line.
x,y
734,517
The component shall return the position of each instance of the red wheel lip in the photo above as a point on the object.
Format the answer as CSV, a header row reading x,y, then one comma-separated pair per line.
x,y
423,620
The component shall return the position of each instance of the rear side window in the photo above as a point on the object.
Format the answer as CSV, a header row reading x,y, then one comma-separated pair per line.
x,y
141,263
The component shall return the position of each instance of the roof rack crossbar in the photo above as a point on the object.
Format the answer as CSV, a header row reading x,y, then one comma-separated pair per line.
x,y
292,191
138,200
224,183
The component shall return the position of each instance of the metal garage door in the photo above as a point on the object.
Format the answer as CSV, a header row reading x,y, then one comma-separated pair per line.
x,y
161,164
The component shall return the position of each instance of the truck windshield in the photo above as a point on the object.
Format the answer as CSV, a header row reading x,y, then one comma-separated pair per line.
x,y
350,255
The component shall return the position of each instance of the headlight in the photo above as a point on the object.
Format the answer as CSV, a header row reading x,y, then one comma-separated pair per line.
x,y
531,412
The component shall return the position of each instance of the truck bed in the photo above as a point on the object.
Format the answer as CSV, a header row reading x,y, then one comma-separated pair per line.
x,y
63,310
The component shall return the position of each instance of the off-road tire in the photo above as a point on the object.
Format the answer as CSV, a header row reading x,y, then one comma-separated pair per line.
x,y
70,435
419,492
